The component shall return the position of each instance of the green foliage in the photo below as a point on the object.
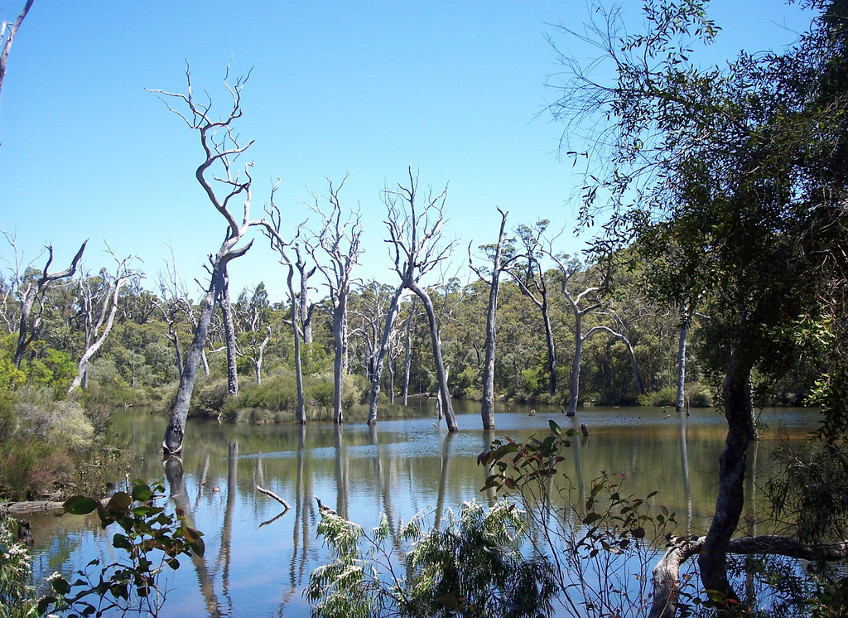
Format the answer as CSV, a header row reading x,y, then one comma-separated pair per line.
x,y
149,540
471,567
17,597
603,544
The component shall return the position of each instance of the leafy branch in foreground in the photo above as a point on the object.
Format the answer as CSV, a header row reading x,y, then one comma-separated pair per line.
x,y
150,539
472,567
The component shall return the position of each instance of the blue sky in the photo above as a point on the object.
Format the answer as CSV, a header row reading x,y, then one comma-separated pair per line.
x,y
451,88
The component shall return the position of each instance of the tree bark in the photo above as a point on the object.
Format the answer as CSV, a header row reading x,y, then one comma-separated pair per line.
x,y
377,369
8,32
229,333
487,409
730,501
444,391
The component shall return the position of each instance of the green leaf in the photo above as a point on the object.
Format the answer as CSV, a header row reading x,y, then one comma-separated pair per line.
x,y
142,493
119,502
592,518
554,427
119,541
80,505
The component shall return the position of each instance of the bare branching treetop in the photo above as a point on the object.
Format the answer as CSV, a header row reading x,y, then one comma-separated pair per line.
x,y
416,245
7,36
339,240
220,169
29,290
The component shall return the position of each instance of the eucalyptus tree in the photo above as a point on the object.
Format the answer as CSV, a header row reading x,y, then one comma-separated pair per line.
x,y
8,31
739,155
339,240
29,287
529,273
252,320
218,169
302,309
409,329
380,308
416,247
500,263
98,303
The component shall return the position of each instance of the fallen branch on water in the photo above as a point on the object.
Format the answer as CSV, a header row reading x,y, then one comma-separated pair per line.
x,y
667,571
274,496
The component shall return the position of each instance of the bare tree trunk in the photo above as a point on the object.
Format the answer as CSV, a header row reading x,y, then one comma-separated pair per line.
x,y
487,410
260,355
574,392
111,302
685,320
173,442
444,391
7,37
300,413
377,370
229,334
340,348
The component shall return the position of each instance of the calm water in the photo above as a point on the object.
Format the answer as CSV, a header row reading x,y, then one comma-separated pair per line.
x,y
257,561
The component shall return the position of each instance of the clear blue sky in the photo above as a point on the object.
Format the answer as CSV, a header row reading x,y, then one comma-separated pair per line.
x,y
451,88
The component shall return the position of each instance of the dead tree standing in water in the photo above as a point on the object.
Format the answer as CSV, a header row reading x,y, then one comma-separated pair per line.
x,y
222,149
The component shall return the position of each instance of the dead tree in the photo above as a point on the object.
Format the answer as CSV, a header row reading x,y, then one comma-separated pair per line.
x,y
222,150
228,322
340,241
174,306
416,247
98,321
27,290
7,37
381,322
529,274
499,264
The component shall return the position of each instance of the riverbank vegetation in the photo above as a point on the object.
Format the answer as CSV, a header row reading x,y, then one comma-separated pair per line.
x,y
718,278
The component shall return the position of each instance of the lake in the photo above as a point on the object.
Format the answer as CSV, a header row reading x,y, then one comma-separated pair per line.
x,y
258,561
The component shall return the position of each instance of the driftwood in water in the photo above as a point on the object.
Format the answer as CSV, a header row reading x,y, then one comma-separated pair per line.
x,y
13,508
667,571
274,496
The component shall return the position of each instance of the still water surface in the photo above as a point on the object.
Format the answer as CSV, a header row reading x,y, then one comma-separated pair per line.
x,y
258,561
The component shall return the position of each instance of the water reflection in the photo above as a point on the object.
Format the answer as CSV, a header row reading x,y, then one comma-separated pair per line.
x,y
259,556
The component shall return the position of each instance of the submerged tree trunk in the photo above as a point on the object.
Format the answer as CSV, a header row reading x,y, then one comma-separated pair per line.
x,y
173,442
487,409
377,369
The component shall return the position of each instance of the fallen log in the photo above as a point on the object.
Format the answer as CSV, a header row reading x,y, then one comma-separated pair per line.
x,y
666,575
14,508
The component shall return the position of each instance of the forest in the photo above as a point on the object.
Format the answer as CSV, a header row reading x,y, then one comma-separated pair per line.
x,y
716,278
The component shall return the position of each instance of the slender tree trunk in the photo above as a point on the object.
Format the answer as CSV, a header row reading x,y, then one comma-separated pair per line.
x,y
339,341
680,400
174,434
9,31
260,355
377,369
407,350
549,340
575,365
730,501
444,391
487,410
229,334
300,413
